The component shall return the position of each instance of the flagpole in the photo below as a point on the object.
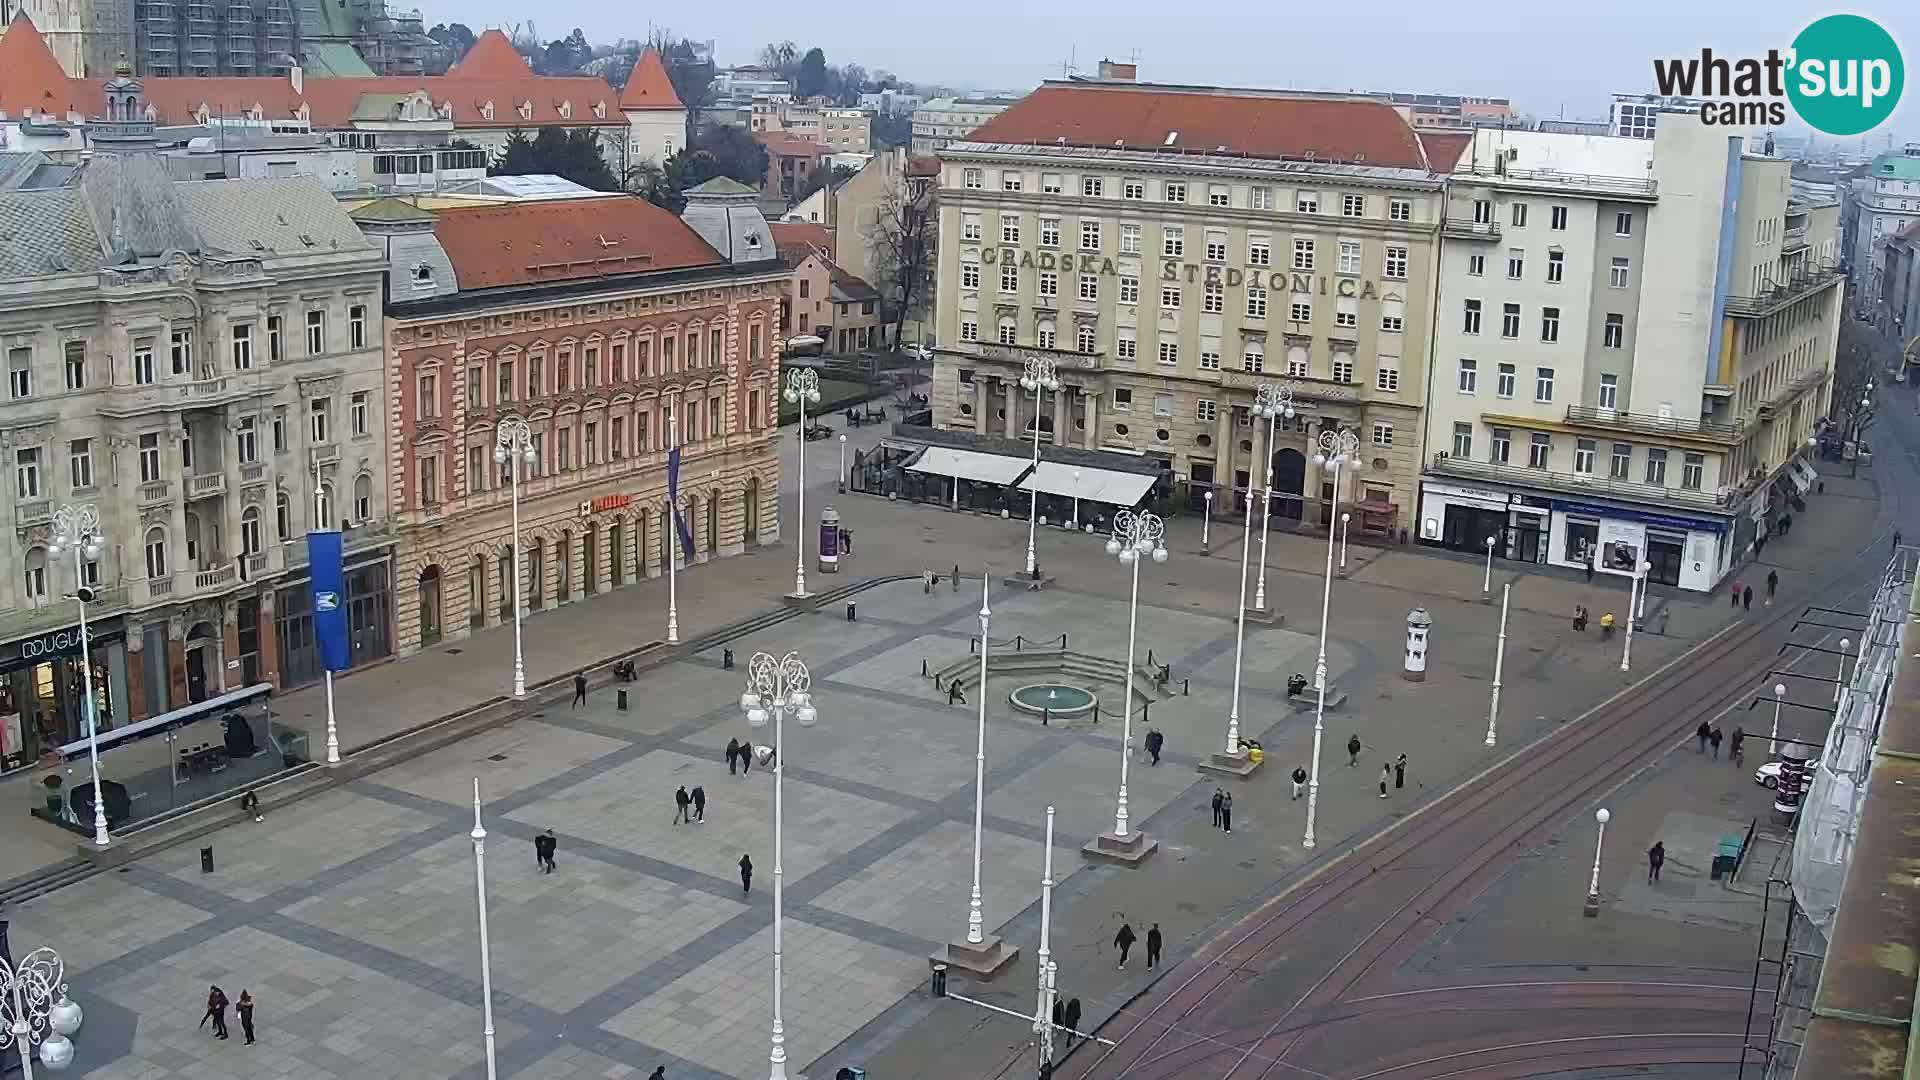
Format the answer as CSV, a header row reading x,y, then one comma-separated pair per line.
x,y
673,530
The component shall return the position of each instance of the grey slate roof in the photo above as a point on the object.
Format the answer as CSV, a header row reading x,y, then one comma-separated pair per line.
x,y
292,215
46,232
15,167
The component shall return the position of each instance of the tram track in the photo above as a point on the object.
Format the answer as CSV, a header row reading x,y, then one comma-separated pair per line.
x,y
1463,839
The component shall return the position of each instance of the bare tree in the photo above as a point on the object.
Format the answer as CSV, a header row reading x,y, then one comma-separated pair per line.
x,y
900,240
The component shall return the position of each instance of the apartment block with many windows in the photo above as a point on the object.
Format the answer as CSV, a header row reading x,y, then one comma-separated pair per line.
x,y
1633,340
1173,248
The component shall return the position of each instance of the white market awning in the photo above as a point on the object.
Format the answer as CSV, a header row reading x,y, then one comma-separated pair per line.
x,y
970,465
1090,485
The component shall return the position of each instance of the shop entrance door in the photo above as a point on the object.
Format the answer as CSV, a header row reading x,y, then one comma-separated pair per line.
x,y
1665,553
1526,539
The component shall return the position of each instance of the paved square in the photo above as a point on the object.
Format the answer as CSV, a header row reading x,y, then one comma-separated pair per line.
x,y
253,859
507,760
923,890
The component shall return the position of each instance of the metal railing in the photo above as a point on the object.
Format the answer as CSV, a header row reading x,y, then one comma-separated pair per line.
x,y
1623,185
1581,483
1799,287
1653,424
202,485
1463,229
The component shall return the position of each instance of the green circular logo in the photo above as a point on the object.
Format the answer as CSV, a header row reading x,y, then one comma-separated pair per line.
x,y
1846,75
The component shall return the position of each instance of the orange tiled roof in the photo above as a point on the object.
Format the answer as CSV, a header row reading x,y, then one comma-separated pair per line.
x,y
648,86
566,240
808,234
1256,124
31,80
1444,147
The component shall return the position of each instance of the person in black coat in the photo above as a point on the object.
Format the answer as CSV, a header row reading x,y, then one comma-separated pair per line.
x,y
746,874
1656,857
1124,941
216,1012
684,804
733,755
1155,741
699,804
544,846
1153,946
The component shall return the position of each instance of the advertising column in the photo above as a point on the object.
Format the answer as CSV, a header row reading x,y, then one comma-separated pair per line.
x,y
327,581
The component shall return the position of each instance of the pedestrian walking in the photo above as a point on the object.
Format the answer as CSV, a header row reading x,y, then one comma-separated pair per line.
x,y
1734,596
733,755
1153,946
1656,858
1219,797
216,1012
1737,748
1299,780
1124,941
1400,773
954,696
544,846
250,805
1226,811
746,874
1072,1018
1353,751
1773,585
1703,733
700,804
1714,738
746,756
1746,598
1155,741
1896,539
1386,777
579,690
682,803
1587,564
245,1008
659,1073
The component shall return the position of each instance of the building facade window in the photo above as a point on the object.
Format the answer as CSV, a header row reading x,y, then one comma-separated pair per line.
x,y
1469,376
1470,323
1614,333
1550,324
1543,384
1610,392
1462,440
1504,381
1539,449
1510,320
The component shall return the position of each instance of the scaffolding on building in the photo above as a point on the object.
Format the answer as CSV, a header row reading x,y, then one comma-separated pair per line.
x,y
1788,965
391,42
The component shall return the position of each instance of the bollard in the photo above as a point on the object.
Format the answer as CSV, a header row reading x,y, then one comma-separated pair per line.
x,y
923,668
939,980
1046,717
1150,662
1144,706
1096,712
206,859
1017,643
850,617
726,659
620,701
1186,690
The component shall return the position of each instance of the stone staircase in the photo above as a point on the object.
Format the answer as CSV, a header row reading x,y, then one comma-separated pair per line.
x,y
1099,674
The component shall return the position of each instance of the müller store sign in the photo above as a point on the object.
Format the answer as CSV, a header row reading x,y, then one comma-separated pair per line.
x,y
1233,277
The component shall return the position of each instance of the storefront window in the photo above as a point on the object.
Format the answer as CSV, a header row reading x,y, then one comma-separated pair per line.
x,y
43,691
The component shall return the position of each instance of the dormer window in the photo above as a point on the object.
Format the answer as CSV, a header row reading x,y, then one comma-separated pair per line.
x,y
423,276
444,110
526,110
486,110
599,110
566,110
258,112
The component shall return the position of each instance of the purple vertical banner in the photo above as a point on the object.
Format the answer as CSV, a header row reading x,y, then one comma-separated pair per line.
x,y
329,594
829,541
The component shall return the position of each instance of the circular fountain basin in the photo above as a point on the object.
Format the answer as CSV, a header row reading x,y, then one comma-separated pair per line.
x,y
1055,699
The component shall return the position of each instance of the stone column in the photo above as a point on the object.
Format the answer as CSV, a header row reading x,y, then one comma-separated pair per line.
x,y
1092,439
980,404
1223,458
1013,408
1060,416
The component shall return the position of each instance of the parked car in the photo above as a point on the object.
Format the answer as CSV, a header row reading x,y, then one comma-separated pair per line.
x,y
1768,775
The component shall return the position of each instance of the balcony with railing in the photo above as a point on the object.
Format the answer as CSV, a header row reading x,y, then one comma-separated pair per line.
x,y
1462,228
1615,420
1793,391
214,578
32,512
1809,281
1586,484
206,485
1499,172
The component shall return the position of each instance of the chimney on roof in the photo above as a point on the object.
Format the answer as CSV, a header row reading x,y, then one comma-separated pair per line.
x,y
298,78
1114,71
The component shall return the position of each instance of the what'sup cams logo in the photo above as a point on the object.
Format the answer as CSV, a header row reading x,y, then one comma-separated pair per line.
x,y
1843,75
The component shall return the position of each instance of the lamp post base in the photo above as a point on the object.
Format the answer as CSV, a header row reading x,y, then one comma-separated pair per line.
x,y
1309,699
1266,616
1592,907
1239,766
1031,582
982,961
801,601
1129,851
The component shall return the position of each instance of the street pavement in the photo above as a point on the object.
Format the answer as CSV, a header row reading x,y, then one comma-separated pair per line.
x,y
351,917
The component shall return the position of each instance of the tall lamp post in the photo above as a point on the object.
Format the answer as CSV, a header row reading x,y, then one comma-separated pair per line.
x,y
1274,402
843,461
513,447
1135,533
1043,1012
1336,448
1639,576
77,528
803,388
1499,663
778,686
675,552
1041,375
976,928
1773,738
1486,584
1206,521
35,1011
479,838
1076,500
1600,816
1840,677
1344,518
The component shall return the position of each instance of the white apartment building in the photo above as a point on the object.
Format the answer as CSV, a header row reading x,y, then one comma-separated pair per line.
x,y
200,362
941,121
1637,116
1628,364
1174,248
1887,201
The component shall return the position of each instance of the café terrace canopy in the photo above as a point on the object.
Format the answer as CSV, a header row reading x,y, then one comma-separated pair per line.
x,y
1089,484
971,465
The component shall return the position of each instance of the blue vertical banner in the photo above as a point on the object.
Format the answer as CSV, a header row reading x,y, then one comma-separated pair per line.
x,y
680,523
329,593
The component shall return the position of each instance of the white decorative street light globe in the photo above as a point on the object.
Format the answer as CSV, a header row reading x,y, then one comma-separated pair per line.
x,y
56,1053
1602,816
1113,546
65,1016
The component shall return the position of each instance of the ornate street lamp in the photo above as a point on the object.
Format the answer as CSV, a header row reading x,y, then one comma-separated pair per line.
x,y
803,388
35,1011
1336,449
513,446
1274,401
77,529
1134,534
1041,375
778,686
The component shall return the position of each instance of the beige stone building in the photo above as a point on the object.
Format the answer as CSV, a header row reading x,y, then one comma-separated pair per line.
x,y
666,339
1173,249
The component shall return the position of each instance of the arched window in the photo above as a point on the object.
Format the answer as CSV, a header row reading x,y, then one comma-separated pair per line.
x,y
282,515
1044,335
250,541
1084,338
1009,332
37,575
157,552
362,499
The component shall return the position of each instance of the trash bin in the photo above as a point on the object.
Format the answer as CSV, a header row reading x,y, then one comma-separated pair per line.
x,y
621,702
939,980
726,659
206,859
850,612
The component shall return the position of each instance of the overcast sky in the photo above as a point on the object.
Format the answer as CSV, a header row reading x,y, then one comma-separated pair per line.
x,y
1545,56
